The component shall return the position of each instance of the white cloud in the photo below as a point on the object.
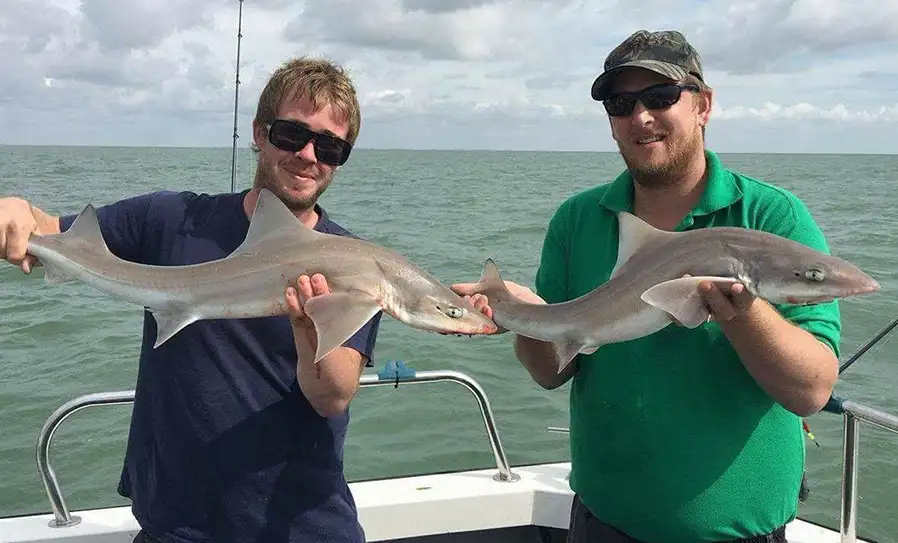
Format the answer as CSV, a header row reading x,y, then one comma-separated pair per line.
x,y
788,74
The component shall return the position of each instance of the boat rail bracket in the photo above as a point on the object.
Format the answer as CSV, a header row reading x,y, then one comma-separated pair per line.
x,y
393,373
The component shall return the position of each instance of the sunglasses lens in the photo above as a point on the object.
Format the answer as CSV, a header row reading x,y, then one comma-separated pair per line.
x,y
661,97
619,105
330,150
292,137
658,97
288,136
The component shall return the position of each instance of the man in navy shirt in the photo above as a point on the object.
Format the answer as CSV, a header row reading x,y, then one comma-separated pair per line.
x,y
234,436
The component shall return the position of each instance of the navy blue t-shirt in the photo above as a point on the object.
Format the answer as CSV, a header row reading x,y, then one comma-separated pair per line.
x,y
223,445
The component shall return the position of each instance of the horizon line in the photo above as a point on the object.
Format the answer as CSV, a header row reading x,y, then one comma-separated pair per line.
x,y
442,149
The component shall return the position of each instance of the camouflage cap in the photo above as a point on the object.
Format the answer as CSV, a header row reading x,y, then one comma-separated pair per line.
x,y
665,52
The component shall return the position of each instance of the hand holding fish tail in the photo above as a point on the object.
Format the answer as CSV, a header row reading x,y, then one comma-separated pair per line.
x,y
18,221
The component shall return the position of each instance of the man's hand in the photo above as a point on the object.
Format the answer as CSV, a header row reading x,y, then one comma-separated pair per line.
x,y
331,384
726,302
18,220
296,299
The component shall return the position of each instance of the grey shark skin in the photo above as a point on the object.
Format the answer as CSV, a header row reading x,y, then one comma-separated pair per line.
x,y
250,282
647,290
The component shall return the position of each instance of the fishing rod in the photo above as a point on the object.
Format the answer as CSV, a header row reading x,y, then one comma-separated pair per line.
x,y
866,346
236,97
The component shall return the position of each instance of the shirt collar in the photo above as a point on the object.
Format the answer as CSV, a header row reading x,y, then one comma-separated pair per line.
x,y
720,192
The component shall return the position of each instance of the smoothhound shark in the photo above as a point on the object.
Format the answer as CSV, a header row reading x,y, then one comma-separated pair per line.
x,y
364,278
647,289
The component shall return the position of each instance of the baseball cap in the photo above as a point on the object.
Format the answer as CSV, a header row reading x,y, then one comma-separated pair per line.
x,y
665,52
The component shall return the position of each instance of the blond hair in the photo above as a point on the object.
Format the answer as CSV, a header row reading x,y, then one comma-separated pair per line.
x,y
321,81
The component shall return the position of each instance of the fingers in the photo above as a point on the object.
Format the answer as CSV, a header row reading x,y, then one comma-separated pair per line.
x,y
16,244
463,289
306,287
311,286
319,285
293,305
481,303
726,306
29,263
741,297
718,303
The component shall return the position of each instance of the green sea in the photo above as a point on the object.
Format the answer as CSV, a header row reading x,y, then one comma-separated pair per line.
x,y
447,211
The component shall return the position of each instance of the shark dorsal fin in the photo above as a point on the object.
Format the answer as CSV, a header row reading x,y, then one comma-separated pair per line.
x,y
272,217
633,234
87,228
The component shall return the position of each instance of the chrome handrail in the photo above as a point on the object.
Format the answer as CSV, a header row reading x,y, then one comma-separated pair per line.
x,y
489,422
853,413
63,518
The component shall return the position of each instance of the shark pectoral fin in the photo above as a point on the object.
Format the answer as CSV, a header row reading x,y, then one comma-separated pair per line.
x,y
53,274
681,299
337,316
565,352
169,322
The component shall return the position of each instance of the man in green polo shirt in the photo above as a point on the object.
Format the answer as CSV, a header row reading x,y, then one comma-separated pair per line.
x,y
684,435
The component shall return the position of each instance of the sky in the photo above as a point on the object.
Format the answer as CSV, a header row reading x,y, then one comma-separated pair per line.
x,y
805,76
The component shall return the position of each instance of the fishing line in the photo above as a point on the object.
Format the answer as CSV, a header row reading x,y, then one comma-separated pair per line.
x,y
866,346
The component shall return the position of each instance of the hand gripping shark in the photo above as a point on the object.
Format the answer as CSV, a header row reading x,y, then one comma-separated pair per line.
x,y
647,288
250,282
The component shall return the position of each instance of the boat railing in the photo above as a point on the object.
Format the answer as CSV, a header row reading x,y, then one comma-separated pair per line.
x,y
393,374
853,413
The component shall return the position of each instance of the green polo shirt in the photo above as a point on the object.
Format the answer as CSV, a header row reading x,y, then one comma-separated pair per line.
x,y
671,438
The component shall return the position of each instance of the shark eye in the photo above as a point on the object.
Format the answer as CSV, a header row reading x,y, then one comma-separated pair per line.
x,y
454,312
814,274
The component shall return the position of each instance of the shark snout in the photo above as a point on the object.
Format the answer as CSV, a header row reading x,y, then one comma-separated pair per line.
x,y
857,282
479,324
870,285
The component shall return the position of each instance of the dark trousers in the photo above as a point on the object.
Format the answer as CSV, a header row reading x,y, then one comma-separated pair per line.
x,y
586,528
143,537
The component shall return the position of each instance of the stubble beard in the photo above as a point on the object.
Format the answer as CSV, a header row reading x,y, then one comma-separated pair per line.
x,y
654,176
266,179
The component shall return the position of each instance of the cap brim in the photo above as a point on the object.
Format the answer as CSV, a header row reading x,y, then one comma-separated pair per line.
x,y
601,87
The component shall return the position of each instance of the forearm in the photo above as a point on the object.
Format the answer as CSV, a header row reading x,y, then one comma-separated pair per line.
x,y
791,364
332,383
539,359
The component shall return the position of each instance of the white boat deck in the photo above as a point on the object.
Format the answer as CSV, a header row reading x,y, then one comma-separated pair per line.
x,y
468,506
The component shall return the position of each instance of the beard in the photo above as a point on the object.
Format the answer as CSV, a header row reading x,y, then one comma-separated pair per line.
x,y
266,177
659,175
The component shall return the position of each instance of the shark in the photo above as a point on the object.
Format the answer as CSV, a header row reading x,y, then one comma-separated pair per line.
x,y
250,282
654,283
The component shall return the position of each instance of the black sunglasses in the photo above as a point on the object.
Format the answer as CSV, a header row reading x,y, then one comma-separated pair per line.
x,y
292,136
661,96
